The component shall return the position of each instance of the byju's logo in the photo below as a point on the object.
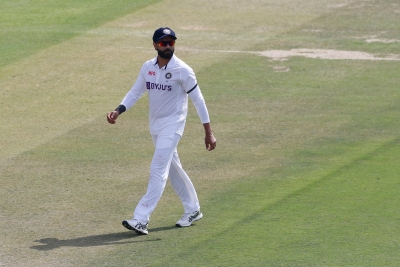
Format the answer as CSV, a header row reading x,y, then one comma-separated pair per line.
x,y
157,86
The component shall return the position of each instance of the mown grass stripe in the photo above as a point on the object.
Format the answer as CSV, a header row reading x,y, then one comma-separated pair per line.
x,y
312,223
31,26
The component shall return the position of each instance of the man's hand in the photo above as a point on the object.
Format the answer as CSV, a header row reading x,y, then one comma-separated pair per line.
x,y
210,140
112,117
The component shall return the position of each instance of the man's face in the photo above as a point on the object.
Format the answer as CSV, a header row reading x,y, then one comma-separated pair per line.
x,y
165,47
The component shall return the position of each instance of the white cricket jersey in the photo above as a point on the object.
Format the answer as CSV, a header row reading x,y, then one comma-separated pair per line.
x,y
168,89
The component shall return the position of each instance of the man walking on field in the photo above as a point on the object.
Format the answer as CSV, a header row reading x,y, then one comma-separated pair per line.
x,y
168,81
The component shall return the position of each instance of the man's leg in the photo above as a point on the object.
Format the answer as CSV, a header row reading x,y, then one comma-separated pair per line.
x,y
165,145
183,186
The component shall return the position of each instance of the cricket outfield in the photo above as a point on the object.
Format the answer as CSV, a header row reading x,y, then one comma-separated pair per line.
x,y
304,102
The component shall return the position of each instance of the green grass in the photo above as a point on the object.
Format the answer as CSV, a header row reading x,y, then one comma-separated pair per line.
x,y
306,168
342,216
30,26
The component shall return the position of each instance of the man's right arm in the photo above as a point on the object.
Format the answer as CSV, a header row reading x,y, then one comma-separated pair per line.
x,y
113,115
130,98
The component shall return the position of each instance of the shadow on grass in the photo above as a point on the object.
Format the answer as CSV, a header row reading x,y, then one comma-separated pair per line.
x,y
96,240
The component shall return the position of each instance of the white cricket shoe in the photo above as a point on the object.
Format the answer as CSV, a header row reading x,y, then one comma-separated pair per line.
x,y
188,218
136,226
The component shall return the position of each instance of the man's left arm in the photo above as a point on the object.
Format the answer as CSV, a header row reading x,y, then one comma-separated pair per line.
x,y
201,108
209,140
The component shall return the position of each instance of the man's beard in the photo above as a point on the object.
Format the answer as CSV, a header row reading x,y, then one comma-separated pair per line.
x,y
167,53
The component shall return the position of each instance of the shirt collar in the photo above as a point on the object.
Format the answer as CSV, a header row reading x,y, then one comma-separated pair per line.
x,y
170,64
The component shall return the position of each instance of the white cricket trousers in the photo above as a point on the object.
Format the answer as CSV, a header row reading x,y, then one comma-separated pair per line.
x,y
166,163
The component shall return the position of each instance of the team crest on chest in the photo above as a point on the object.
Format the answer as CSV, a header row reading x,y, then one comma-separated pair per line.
x,y
168,75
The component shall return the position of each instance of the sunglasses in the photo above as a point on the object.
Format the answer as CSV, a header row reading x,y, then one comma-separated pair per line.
x,y
165,43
